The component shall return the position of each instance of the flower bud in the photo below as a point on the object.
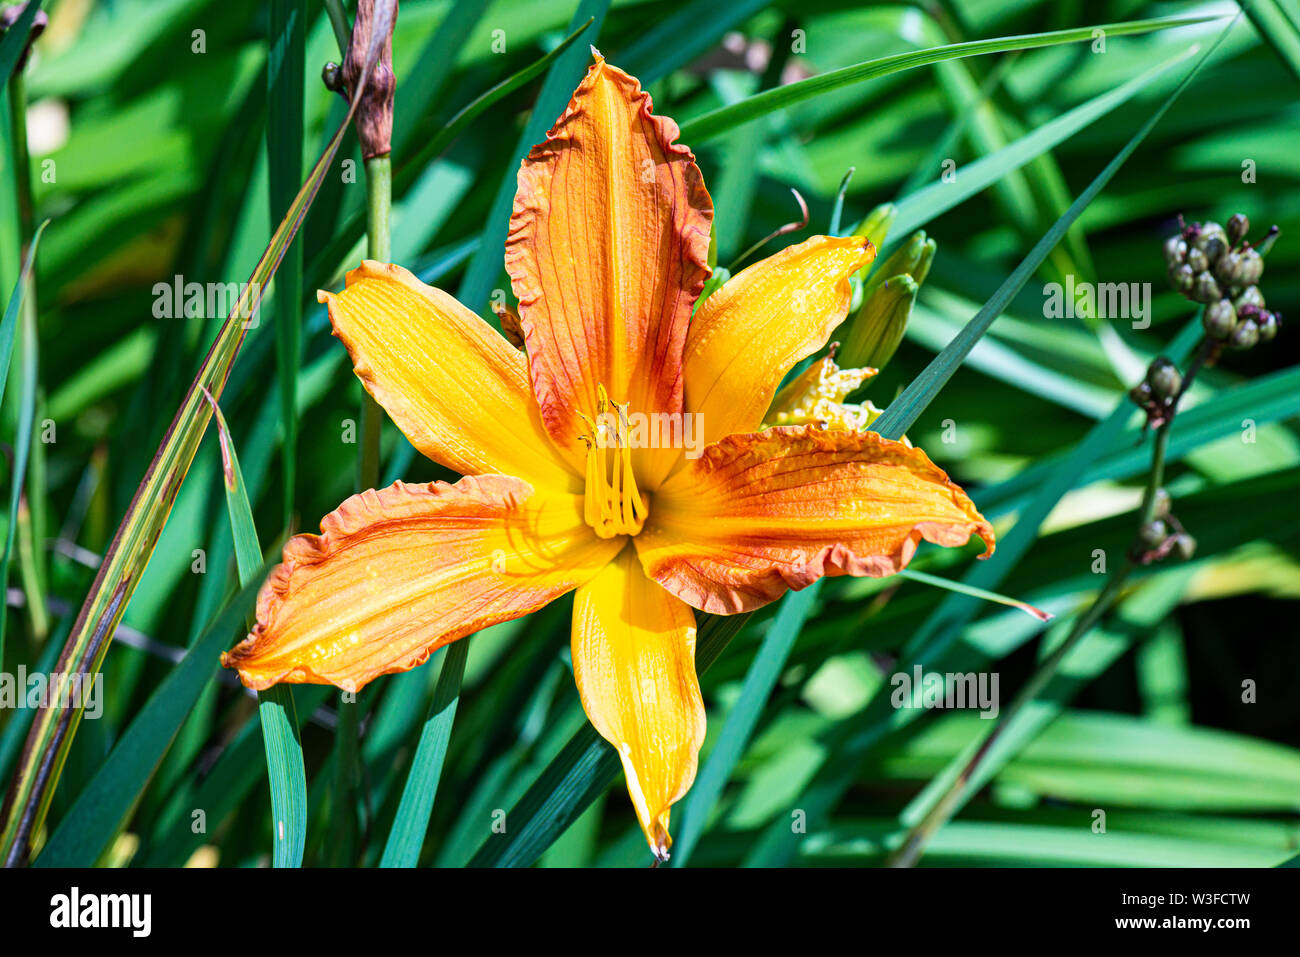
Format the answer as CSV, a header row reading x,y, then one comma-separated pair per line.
x,y
1220,319
907,259
1238,227
1182,278
1164,378
1228,269
1252,267
1140,394
1205,288
1210,239
374,117
1154,533
1268,324
1185,546
1250,296
1175,251
1199,261
1245,335
874,227
1162,503
874,332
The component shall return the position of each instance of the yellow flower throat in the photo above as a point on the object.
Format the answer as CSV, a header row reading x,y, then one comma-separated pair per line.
x,y
612,504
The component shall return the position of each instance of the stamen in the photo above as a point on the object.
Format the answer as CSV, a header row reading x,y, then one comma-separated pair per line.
x,y
612,503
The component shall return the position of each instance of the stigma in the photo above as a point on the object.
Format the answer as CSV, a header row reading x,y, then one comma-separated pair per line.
x,y
612,504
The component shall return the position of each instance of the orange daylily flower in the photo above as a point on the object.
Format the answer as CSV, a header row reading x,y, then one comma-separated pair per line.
x,y
607,256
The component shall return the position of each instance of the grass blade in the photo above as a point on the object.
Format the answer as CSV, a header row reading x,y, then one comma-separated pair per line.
x,y
937,198
406,838
285,767
284,94
15,38
51,735
904,410
755,693
1278,22
27,403
102,807
729,117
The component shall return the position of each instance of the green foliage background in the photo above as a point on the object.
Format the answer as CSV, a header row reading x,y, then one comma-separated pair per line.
x,y
163,170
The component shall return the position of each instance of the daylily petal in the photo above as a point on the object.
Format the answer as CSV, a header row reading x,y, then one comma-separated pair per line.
x,y
751,332
454,386
398,573
634,662
766,511
607,252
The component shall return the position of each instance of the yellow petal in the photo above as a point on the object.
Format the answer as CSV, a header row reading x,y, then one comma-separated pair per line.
x,y
751,332
607,252
634,662
398,573
759,513
454,386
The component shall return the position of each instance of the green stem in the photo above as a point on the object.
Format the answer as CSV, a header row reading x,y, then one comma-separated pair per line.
x,y
913,845
379,207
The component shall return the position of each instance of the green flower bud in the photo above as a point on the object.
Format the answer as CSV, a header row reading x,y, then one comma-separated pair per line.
x,y
1250,296
1162,503
1154,533
1252,267
1220,319
1205,288
1198,260
872,334
1210,239
1228,269
1268,325
1182,278
1140,394
907,259
1175,251
875,225
1164,378
1245,335
1238,227
1185,546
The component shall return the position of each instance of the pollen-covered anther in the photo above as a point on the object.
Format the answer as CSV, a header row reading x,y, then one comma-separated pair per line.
x,y
612,503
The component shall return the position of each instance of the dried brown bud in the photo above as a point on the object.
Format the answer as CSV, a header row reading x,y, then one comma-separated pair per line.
x,y
375,111
9,16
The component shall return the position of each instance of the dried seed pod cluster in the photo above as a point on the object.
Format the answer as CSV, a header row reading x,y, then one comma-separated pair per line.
x,y
1219,268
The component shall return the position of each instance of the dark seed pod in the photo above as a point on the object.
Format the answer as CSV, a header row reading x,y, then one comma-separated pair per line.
x,y
1175,250
1245,335
1205,289
1250,296
1140,394
1252,267
1238,227
1182,278
1185,546
1220,319
1154,533
1268,324
1198,260
1228,269
331,75
1164,378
